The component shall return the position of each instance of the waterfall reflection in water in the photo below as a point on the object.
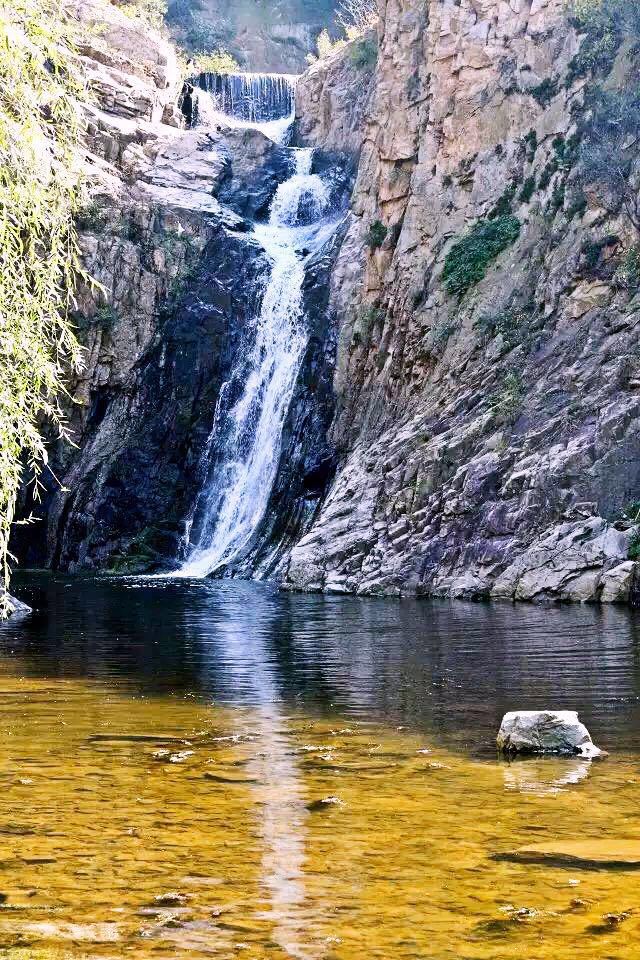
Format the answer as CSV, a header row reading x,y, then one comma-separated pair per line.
x,y
269,703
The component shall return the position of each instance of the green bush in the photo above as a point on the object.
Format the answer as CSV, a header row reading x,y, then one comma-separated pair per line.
x,y
218,61
628,275
467,261
528,189
608,151
504,203
364,53
511,324
545,92
604,25
376,235
531,144
508,401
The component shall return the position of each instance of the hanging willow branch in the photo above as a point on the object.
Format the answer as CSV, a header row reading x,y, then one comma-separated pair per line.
x,y
40,131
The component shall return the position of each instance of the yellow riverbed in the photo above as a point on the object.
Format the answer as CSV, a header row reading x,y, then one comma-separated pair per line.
x,y
153,828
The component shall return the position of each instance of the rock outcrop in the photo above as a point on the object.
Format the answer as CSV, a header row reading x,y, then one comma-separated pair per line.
x,y
487,424
545,731
333,96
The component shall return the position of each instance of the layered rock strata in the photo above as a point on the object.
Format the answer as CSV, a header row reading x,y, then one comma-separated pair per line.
x,y
488,435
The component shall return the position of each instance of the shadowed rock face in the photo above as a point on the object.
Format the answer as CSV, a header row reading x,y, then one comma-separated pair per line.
x,y
138,470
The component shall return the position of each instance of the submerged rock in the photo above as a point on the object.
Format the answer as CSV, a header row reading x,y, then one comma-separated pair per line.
x,y
545,731
585,854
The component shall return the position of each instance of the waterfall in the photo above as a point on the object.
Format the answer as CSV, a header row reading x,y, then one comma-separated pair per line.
x,y
264,101
252,97
253,403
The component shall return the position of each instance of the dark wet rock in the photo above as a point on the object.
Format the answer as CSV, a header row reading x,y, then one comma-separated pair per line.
x,y
326,803
135,738
139,470
172,899
613,919
256,166
229,778
579,854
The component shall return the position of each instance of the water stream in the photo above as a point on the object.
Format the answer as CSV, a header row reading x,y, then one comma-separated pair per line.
x,y
253,403
257,101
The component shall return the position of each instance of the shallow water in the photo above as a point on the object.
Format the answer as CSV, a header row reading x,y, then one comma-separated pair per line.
x,y
180,738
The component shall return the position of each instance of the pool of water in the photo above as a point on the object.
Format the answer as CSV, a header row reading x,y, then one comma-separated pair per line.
x,y
196,769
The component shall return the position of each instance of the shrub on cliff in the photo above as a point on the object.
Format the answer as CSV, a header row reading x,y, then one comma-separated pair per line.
x,y
364,53
39,178
609,149
467,261
604,25
376,234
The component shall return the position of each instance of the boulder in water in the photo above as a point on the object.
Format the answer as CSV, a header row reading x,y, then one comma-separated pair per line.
x,y
545,731
16,607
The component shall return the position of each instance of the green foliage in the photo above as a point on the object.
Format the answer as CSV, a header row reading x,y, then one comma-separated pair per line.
x,y
545,92
558,196
547,174
608,150
325,46
508,401
91,218
218,61
441,333
604,25
510,324
467,261
631,514
528,189
628,274
577,205
39,196
367,319
591,251
151,11
531,144
634,546
364,53
106,316
142,553
504,203
376,235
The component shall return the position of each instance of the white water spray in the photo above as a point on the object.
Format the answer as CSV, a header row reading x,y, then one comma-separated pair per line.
x,y
258,101
249,431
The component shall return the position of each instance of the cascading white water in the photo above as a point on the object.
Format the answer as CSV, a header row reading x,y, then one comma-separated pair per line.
x,y
261,101
249,430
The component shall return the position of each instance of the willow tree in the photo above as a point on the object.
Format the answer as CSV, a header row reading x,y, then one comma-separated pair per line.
x,y
40,130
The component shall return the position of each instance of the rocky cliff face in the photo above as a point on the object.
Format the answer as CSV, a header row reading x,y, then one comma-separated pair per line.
x,y
269,37
164,235
488,430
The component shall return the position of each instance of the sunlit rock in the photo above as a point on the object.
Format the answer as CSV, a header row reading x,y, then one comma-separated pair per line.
x,y
545,731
